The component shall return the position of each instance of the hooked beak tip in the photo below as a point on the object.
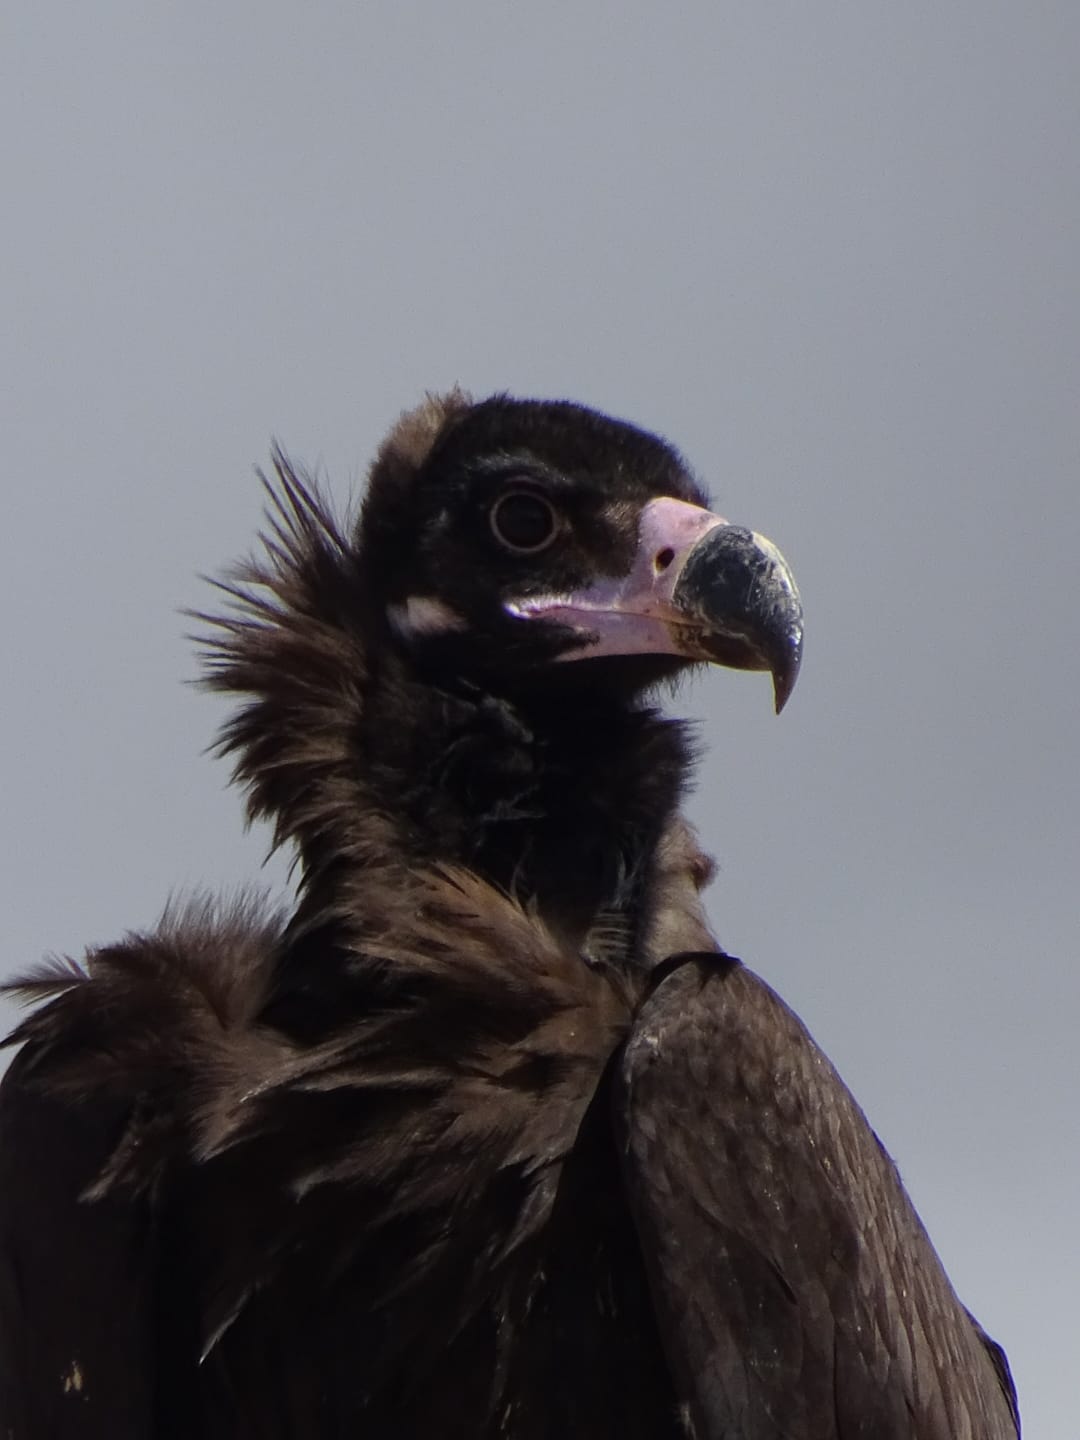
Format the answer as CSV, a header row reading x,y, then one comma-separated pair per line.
x,y
785,669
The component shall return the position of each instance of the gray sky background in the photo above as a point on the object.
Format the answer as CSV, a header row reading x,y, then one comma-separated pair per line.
x,y
831,250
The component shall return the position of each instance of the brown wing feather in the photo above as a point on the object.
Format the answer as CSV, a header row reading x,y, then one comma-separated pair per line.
x,y
799,1295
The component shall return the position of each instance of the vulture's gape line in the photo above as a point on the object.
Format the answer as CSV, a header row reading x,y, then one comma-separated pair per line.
x,y
487,1137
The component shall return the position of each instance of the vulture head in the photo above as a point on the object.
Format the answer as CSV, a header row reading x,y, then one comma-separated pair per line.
x,y
461,676
531,536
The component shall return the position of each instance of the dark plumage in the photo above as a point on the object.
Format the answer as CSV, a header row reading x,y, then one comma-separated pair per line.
x,y
488,1137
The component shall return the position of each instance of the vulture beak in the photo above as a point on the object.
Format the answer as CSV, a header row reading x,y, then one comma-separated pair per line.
x,y
698,587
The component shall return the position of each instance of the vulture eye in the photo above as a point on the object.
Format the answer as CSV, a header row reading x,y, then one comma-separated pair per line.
x,y
524,522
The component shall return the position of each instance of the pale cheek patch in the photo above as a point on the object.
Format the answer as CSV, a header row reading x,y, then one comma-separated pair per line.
x,y
423,615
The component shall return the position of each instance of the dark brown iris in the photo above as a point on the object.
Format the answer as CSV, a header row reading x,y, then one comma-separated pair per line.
x,y
524,521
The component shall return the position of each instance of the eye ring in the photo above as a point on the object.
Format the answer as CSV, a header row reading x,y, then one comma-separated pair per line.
x,y
524,521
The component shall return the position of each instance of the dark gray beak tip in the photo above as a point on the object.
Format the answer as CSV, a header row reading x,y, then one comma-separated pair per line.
x,y
785,667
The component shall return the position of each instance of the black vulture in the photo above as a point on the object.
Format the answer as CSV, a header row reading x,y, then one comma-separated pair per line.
x,y
488,1137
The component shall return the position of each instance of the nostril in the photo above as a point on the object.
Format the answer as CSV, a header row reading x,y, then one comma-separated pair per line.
x,y
662,559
